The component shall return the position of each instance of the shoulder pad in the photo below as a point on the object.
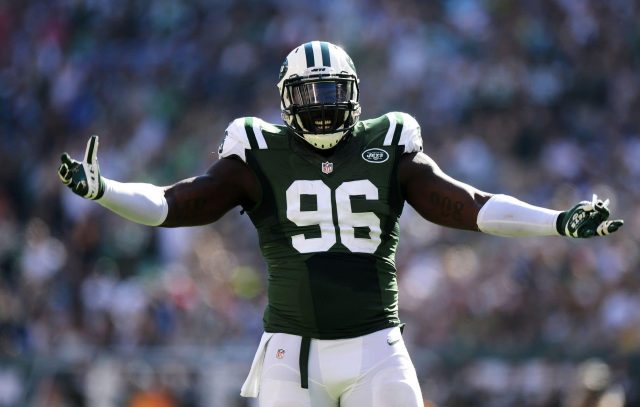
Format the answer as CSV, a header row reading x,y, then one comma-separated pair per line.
x,y
404,130
242,134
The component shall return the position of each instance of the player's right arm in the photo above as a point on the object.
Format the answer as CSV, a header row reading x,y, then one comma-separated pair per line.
x,y
194,201
201,200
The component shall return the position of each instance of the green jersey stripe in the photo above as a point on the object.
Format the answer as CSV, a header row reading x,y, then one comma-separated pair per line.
x,y
326,57
257,132
308,52
392,126
248,126
398,131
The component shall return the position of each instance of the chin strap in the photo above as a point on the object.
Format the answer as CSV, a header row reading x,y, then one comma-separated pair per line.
x,y
323,141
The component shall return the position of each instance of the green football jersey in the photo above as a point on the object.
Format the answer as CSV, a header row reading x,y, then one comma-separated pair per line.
x,y
327,224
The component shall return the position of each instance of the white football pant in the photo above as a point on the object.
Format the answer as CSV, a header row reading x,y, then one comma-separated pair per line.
x,y
373,370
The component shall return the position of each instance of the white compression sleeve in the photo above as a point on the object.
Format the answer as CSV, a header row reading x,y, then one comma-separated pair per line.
x,y
504,215
140,203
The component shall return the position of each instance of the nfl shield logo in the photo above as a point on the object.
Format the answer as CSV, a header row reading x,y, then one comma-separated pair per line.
x,y
327,167
280,354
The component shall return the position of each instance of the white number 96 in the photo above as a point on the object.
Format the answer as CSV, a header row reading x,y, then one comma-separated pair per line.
x,y
322,216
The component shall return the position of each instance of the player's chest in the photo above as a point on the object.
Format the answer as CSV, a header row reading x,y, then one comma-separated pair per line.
x,y
325,204
374,164
363,182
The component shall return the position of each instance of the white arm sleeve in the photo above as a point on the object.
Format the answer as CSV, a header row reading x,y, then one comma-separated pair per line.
x,y
504,215
140,203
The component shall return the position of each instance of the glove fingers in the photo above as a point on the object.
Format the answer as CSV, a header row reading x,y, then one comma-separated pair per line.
x,y
81,187
64,173
602,209
609,227
588,219
615,225
91,153
66,159
589,226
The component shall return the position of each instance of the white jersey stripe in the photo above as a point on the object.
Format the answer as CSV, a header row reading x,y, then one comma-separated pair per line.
x,y
392,128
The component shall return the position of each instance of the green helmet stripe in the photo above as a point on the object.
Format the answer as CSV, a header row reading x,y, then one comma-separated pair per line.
x,y
308,52
326,57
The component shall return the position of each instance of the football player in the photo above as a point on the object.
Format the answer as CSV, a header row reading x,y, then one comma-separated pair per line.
x,y
325,192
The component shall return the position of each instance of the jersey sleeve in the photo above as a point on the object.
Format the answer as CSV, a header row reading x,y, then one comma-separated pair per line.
x,y
404,130
241,135
235,141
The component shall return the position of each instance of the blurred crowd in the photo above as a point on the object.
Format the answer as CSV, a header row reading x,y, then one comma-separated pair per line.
x,y
539,99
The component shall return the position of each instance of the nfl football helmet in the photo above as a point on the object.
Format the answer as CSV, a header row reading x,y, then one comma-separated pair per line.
x,y
319,93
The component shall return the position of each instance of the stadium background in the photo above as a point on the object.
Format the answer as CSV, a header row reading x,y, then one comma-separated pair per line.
x,y
538,99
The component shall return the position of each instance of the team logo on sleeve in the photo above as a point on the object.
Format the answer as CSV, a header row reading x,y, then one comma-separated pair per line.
x,y
375,155
327,167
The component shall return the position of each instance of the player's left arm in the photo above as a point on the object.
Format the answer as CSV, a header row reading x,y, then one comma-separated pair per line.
x,y
448,202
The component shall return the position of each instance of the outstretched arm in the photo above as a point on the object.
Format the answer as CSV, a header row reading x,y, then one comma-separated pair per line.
x,y
438,197
195,201
448,202
204,199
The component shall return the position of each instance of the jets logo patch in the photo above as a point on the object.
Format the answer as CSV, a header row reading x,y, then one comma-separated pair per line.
x,y
375,155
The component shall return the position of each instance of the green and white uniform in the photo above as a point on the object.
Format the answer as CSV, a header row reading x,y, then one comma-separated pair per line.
x,y
328,225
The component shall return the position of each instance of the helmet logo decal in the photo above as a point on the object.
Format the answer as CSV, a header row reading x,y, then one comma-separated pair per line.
x,y
327,167
375,155
283,69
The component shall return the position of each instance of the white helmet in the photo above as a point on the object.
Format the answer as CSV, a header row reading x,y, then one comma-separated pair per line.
x,y
319,93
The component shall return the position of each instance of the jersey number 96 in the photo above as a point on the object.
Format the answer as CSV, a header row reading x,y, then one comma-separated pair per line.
x,y
346,223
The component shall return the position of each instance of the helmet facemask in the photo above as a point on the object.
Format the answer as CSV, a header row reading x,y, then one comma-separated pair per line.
x,y
321,105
